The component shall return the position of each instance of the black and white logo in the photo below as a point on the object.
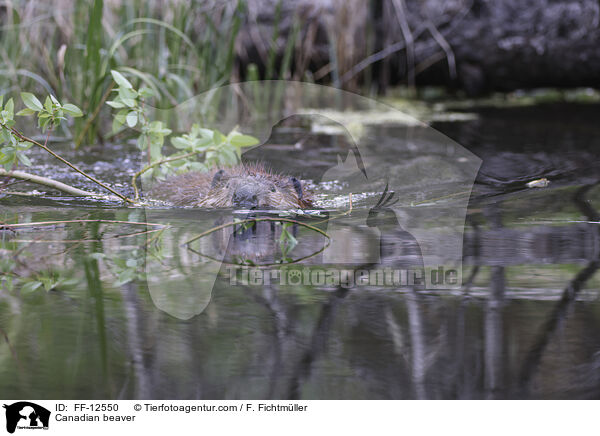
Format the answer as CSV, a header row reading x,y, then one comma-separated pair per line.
x,y
26,415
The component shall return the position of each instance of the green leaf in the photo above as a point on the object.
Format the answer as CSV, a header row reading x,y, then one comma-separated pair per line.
x,y
24,145
129,102
228,156
120,79
205,133
48,105
31,101
180,143
72,110
146,92
154,149
132,118
30,287
218,137
119,119
10,106
24,159
115,104
125,277
25,112
142,142
243,140
128,93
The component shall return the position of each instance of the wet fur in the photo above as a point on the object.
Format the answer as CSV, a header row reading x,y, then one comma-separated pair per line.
x,y
215,188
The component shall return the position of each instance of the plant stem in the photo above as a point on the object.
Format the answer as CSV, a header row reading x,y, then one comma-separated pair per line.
x,y
47,136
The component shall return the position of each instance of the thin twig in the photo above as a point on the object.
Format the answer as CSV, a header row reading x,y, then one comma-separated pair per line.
x,y
46,223
22,137
251,220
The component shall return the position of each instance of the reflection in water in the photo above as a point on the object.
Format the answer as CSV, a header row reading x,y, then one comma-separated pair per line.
x,y
496,340
560,312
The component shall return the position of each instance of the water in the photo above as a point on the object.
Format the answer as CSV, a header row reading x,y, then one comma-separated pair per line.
x,y
525,325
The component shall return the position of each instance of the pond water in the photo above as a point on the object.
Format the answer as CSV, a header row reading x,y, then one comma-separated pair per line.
x,y
124,317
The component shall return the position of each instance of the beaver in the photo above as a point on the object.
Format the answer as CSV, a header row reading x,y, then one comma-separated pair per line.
x,y
247,186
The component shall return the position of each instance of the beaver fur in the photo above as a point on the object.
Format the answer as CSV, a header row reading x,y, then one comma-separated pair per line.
x,y
250,186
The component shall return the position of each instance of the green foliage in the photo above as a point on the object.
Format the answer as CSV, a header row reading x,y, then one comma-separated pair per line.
x,y
46,280
214,146
130,268
12,150
178,49
51,113
130,103
287,242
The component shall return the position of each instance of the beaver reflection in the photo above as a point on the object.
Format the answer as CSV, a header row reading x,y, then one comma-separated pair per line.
x,y
246,186
259,240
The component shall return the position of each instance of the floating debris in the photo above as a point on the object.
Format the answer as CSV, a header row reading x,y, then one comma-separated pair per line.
x,y
539,183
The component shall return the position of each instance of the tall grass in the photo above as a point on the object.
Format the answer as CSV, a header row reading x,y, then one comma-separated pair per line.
x,y
178,48
68,47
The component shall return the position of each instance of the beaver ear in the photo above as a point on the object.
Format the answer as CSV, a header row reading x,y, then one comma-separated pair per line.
x,y
217,178
297,186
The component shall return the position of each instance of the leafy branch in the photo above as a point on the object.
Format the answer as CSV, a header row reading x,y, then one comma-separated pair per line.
x,y
50,115
214,146
197,150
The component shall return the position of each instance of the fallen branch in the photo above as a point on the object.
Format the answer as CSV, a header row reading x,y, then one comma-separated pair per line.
x,y
44,181
22,137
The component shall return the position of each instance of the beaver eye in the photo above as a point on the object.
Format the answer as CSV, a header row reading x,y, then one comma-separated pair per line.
x,y
273,189
217,178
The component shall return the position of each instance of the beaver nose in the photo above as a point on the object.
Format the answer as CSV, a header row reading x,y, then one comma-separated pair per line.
x,y
245,198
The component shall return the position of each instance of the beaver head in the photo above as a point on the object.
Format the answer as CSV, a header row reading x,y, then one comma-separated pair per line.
x,y
254,188
247,186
